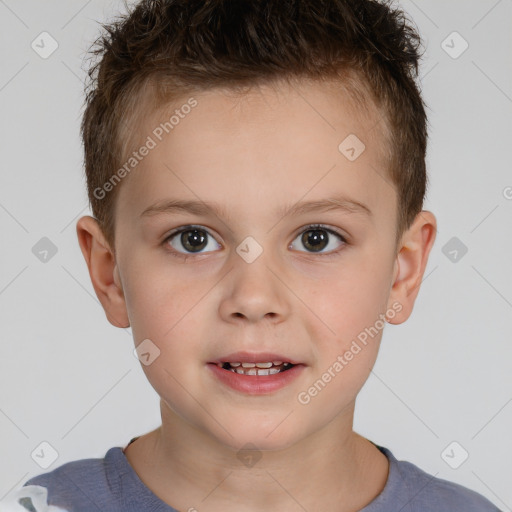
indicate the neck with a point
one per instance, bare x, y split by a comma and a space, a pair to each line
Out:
333, 467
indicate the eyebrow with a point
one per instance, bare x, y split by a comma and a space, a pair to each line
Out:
203, 208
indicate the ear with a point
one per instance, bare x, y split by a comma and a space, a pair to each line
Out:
103, 270
410, 264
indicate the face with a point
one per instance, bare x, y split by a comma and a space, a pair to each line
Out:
253, 273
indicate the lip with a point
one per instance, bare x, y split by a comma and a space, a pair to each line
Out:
254, 357
255, 384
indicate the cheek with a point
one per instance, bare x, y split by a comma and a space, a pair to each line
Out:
349, 300
348, 309
347, 349
165, 309
161, 304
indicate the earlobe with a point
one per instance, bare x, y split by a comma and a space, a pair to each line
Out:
103, 270
410, 264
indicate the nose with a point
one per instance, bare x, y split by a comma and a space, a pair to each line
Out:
253, 292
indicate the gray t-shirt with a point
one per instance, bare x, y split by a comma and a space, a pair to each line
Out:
111, 485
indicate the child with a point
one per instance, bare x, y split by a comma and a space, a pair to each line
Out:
256, 171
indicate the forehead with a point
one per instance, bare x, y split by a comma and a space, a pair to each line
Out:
264, 148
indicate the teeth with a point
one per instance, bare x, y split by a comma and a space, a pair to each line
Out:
259, 365
256, 371
264, 368
264, 365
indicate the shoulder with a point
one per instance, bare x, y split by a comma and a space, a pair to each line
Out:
84, 484
418, 491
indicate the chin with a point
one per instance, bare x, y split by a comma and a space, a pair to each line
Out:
251, 435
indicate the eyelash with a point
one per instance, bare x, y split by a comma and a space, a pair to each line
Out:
310, 227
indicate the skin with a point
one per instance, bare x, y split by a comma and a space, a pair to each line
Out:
254, 154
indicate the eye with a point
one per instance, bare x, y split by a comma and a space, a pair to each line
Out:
193, 239
316, 238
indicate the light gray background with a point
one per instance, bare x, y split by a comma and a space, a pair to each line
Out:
69, 378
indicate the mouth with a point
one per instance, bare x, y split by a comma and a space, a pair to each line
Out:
256, 373
261, 368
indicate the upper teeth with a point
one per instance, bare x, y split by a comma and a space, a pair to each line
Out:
264, 368
257, 365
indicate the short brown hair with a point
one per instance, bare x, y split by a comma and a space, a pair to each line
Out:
180, 46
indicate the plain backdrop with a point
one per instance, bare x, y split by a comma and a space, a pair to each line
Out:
442, 385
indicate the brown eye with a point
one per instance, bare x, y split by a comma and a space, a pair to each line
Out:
192, 240
317, 238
